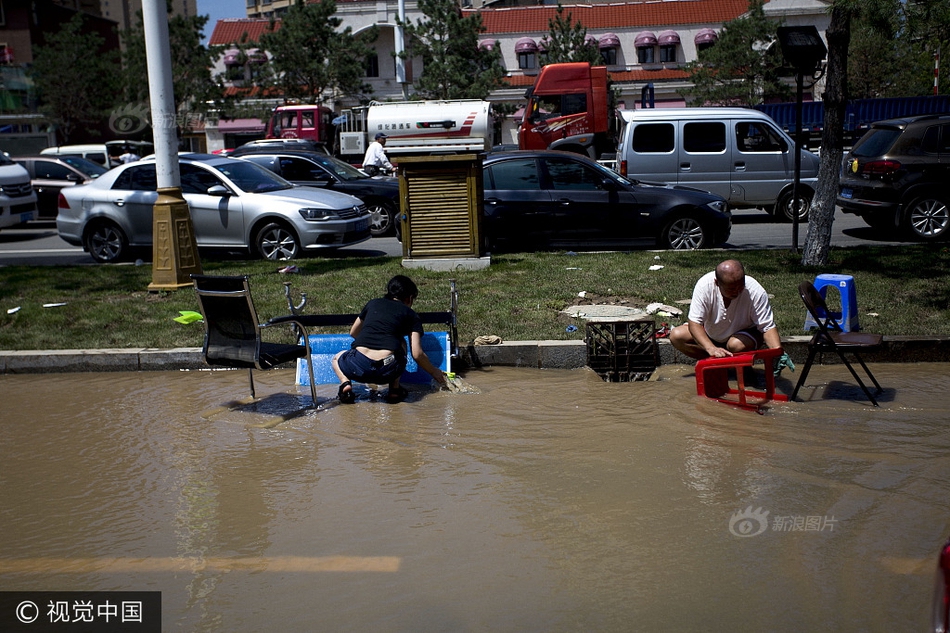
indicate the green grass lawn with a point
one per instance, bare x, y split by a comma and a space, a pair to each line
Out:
901, 290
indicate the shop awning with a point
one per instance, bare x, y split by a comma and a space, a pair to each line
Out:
526, 45
487, 44
706, 36
645, 39
668, 38
232, 57
609, 40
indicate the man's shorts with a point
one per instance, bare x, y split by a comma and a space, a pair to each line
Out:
752, 334
357, 366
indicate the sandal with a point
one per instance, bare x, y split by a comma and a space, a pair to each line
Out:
347, 397
396, 395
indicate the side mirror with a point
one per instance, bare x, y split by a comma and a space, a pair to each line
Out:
218, 190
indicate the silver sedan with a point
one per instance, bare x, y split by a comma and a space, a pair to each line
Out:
234, 205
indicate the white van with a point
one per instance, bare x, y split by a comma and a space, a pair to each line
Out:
106, 154
740, 154
17, 198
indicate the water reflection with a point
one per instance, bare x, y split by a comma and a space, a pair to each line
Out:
551, 501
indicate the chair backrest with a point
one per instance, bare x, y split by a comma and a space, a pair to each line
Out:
816, 306
232, 331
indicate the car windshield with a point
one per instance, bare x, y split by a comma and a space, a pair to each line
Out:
91, 169
343, 171
876, 142
250, 177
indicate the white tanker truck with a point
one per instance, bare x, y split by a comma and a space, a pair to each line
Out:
417, 127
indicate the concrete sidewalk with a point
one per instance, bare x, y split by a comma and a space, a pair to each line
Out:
535, 354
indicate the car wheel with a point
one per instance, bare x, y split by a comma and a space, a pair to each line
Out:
683, 234
784, 208
106, 242
381, 218
928, 218
277, 242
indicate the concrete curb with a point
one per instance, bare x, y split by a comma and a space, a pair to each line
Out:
536, 354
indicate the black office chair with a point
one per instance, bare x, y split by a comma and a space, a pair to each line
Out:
233, 333
830, 338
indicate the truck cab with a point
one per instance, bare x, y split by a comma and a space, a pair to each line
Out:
311, 122
569, 108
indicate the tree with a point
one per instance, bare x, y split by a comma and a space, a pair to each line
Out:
309, 56
743, 67
822, 212
75, 77
567, 42
194, 88
454, 66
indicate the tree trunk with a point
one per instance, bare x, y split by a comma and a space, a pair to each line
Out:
822, 212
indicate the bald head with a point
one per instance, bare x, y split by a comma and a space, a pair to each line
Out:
730, 278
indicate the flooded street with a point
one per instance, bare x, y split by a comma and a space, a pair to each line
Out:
550, 501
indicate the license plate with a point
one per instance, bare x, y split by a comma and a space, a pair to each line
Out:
362, 225
26, 217
846, 193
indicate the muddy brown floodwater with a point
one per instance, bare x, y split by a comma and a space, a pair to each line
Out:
550, 501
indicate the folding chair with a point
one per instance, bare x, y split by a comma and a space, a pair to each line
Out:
233, 333
830, 338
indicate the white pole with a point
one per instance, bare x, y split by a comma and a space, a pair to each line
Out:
400, 46
160, 92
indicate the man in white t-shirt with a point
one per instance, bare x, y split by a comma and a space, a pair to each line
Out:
729, 314
375, 160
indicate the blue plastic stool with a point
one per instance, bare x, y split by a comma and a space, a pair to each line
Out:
848, 317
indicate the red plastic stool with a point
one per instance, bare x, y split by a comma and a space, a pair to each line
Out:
712, 379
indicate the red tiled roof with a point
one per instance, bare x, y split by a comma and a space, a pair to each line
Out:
519, 81
232, 30
629, 15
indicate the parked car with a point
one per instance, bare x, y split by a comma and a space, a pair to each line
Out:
17, 198
380, 193
737, 153
295, 144
108, 154
49, 174
896, 177
543, 198
234, 204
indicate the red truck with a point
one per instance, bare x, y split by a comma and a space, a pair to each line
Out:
570, 108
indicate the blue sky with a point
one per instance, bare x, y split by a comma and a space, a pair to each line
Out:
218, 10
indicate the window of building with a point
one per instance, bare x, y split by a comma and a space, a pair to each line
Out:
646, 54
372, 65
609, 55
668, 53
527, 61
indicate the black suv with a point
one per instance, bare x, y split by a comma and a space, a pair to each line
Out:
313, 169
897, 176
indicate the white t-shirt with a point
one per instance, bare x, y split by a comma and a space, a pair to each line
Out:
375, 155
750, 308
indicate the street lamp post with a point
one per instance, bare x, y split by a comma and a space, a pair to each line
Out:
803, 50
174, 248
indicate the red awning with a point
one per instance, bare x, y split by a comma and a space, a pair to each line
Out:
526, 45
645, 39
668, 38
609, 40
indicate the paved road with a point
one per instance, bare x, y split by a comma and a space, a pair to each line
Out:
39, 244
